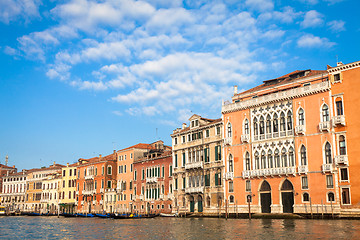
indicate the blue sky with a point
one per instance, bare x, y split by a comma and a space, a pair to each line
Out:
80, 78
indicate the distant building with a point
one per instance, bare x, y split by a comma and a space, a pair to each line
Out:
4, 170
67, 188
153, 181
13, 191
288, 143
198, 176
50, 193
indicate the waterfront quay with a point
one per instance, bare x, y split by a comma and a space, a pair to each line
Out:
26, 227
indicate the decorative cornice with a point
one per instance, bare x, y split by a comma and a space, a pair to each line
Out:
277, 97
344, 67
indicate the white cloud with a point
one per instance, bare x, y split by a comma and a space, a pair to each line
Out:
12, 10
310, 2
312, 19
311, 41
336, 25
117, 113
11, 51
260, 5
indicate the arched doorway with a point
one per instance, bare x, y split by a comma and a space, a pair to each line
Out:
287, 196
200, 204
192, 203
265, 197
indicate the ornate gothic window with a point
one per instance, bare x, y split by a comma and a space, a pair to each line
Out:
289, 120
291, 157
342, 145
231, 163
301, 117
262, 131
328, 158
246, 126
282, 122
247, 161
268, 124
325, 113
303, 160
277, 158
284, 158
275, 123
256, 132
229, 130
270, 159
257, 160
263, 160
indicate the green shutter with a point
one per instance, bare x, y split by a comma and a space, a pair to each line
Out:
216, 153
183, 159
219, 152
205, 153
216, 179
176, 160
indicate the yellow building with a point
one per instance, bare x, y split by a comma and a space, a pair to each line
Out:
67, 188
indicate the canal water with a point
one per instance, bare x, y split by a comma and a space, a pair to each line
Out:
27, 227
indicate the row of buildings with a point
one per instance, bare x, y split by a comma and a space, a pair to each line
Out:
289, 145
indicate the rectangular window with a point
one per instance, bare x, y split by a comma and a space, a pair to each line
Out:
344, 176
345, 196
207, 155
329, 181
231, 186
143, 174
217, 179
304, 182
218, 130
124, 168
135, 172
170, 170
183, 159
131, 167
64, 173
176, 163
163, 171
207, 133
184, 183
175, 141
176, 184
183, 139
248, 186
337, 77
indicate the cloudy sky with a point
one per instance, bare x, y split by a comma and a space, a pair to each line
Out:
83, 77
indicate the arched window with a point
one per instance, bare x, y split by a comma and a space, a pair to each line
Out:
256, 132
284, 158
268, 124
289, 120
306, 197
263, 160
328, 158
231, 199
325, 113
246, 126
342, 145
257, 160
229, 130
291, 157
265, 187
277, 158
231, 163
247, 161
282, 122
208, 201
303, 156
339, 107
262, 130
275, 123
270, 159
301, 116
331, 197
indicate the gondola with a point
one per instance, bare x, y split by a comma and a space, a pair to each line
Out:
134, 216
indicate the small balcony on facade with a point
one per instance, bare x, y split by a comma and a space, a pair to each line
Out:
89, 177
77, 192
101, 202
341, 159
89, 192
338, 120
324, 126
269, 172
327, 167
229, 175
195, 190
170, 196
245, 138
194, 165
82, 202
228, 141
300, 129
94, 202
141, 197
161, 196
151, 179
101, 190
303, 169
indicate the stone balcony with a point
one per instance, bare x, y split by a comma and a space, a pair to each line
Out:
195, 190
194, 165
341, 159
339, 120
327, 167
89, 177
82, 202
303, 169
89, 192
269, 172
161, 196
245, 138
324, 126
101, 202
151, 179
94, 202
101, 190
229, 175
300, 129
228, 141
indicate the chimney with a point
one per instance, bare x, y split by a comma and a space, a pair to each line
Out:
67, 164
235, 89
184, 126
339, 64
114, 151
54, 163
13, 166
100, 156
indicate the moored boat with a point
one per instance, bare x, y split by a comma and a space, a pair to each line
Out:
169, 214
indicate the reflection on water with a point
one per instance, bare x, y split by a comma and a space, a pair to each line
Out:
26, 227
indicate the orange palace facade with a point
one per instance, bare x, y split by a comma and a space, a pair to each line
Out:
291, 143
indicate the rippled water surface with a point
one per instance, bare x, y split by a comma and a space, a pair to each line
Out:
26, 227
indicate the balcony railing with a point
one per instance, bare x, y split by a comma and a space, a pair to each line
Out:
94, 202
300, 129
324, 126
151, 179
303, 168
161, 196
341, 159
327, 167
194, 190
101, 190
228, 141
229, 175
89, 177
338, 120
101, 202
170, 196
269, 172
88, 192
82, 202
194, 165
245, 138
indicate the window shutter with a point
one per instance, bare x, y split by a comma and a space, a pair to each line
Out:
205, 154
183, 159
219, 152
216, 178
216, 153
